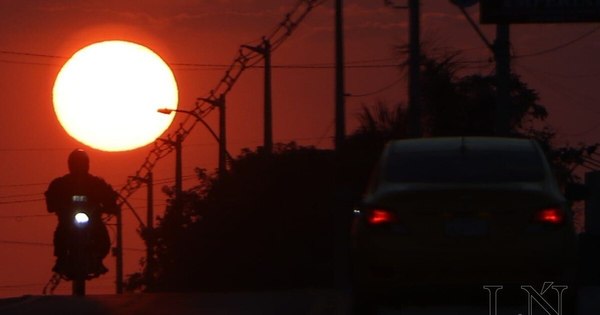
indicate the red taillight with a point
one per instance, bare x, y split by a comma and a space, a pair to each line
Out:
381, 216
554, 216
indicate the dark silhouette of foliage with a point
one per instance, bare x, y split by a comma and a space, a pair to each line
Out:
455, 105
270, 222
267, 224
465, 105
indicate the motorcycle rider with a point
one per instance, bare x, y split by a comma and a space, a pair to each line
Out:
101, 198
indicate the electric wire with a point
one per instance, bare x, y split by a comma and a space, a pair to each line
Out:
224, 86
20, 195
325, 133
26, 243
569, 94
29, 54
385, 88
204, 106
43, 244
21, 201
557, 88
27, 63
24, 185
17, 286
561, 46
19, 217
216, 66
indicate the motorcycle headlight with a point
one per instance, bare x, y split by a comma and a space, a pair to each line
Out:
81, 219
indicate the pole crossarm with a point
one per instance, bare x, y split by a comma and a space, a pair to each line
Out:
391, 4
245, 59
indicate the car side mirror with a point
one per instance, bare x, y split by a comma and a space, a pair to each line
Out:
576, 192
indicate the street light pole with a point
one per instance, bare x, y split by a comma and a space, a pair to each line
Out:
220, 103
222, 138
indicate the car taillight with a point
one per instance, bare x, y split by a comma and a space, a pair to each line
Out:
381, 216
553, 216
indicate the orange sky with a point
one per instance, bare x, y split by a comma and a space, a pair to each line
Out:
34, 147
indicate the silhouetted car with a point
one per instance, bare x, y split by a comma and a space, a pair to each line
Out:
461, 212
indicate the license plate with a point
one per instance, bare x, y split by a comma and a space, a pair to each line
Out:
467, 227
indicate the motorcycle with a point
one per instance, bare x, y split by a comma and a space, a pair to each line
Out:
84, 242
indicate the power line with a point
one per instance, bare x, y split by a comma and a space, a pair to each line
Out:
20, 195
565, 75
17, 286
293, 66
563, 45
20, 53
325, 133
25, 216
24, 185
162, 181
26, 243
42, 244
557, 88
20, 201
215, 66
27, 63
398, 80
34, 149
245, 58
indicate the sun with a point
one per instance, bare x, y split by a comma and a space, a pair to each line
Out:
106, 95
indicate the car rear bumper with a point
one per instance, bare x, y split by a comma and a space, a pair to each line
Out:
432, 267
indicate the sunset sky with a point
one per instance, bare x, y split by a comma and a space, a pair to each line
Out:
200, 38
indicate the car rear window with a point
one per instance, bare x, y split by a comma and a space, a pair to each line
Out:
465, 167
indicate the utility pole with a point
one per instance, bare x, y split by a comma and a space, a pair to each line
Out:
414, 63
178, 186
265, 50
503, 100
339, 220
340, 97
222, 138
149, 237
178, 175
268, 106
414, 109
150, 228
501, 50
118, 253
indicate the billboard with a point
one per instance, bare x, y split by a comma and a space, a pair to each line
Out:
539, 11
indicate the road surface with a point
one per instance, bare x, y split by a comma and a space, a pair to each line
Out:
289, 302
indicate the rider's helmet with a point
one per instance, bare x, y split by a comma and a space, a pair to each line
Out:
79, 162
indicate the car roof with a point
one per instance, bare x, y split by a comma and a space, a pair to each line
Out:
466, 143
